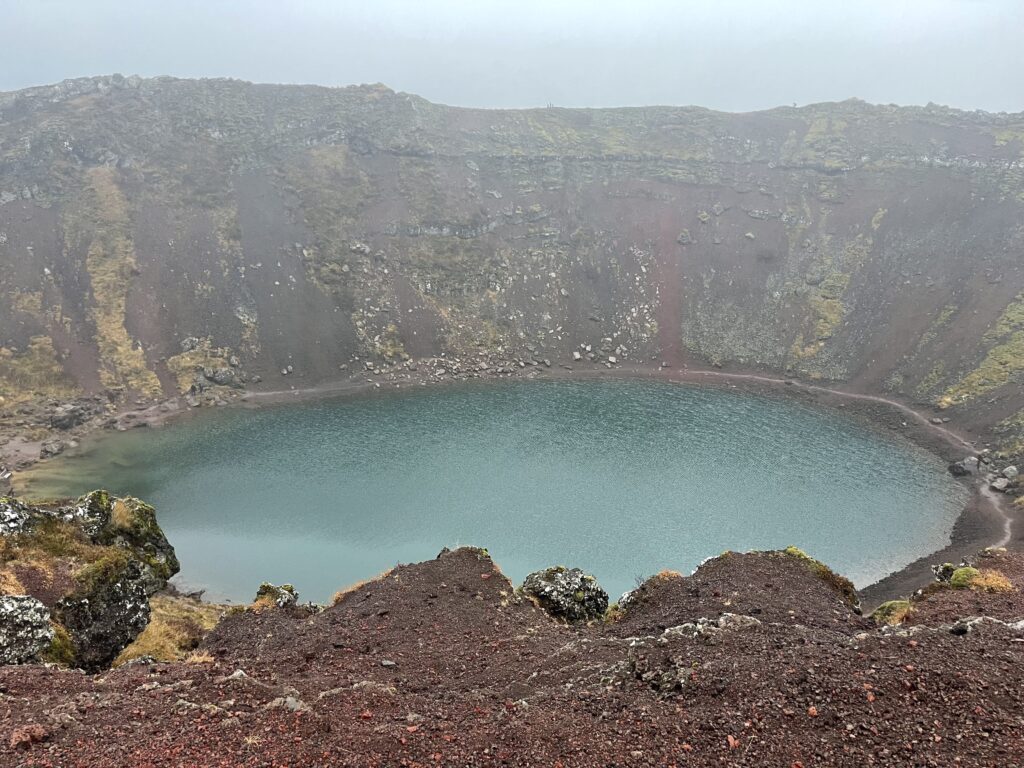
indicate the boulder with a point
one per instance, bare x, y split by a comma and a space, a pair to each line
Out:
1000, 484
68, 416
967, 466
132, 526
944, 571
190, 343
279, 596
223, 377
25, 629
14, 516
1010, 472
108, 611
568, 594
51, 448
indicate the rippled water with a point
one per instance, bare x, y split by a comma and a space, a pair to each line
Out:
622, 478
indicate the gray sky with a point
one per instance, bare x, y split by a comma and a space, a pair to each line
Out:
725, 54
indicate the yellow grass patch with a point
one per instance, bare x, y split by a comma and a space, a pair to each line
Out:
991, 581
345, 591
176, 626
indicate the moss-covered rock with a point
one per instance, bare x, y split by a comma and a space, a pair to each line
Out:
25, 629
133, 526
92, 564
962, 577
891, 612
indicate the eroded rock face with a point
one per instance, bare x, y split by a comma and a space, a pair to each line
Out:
567, 593
25, 629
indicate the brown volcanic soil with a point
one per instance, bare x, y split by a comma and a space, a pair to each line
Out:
438, 664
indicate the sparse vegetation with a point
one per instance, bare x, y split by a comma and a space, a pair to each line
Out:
176, 626
962, 578
840, 584
342, 593
892, 612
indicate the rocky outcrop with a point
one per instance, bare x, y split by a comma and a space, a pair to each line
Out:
568, 594
755, 659
89, 567
106, 612
280, 596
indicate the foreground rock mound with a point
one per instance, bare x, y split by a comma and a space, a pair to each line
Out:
757, 659
567, 593
76, 579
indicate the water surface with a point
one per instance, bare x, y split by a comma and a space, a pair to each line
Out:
622, 478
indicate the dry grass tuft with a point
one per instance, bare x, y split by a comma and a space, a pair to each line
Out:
176, 626
892, 612
991, 581
341, 594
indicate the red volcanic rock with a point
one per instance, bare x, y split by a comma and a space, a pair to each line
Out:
757, 659
27, 735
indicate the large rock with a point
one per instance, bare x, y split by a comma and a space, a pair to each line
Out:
25, 629
964, 467
92, 565
567, 593
107, 612
68, 416
14, 515
280, 596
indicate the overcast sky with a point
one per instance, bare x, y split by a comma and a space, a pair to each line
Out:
724, 54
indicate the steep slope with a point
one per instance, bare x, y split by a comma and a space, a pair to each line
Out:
150, 228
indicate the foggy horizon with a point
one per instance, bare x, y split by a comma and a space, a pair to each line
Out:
732, 56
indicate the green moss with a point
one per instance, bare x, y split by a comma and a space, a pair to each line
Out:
840, 584
34, 371
1004, 361
61, 649
891, 612
107, 569
185, 365
999, 367
962, 578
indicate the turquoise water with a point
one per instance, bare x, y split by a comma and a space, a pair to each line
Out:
622, 478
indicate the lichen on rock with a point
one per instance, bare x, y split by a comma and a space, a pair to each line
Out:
25, 630
568, 594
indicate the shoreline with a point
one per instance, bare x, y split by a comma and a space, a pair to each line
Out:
985, 521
